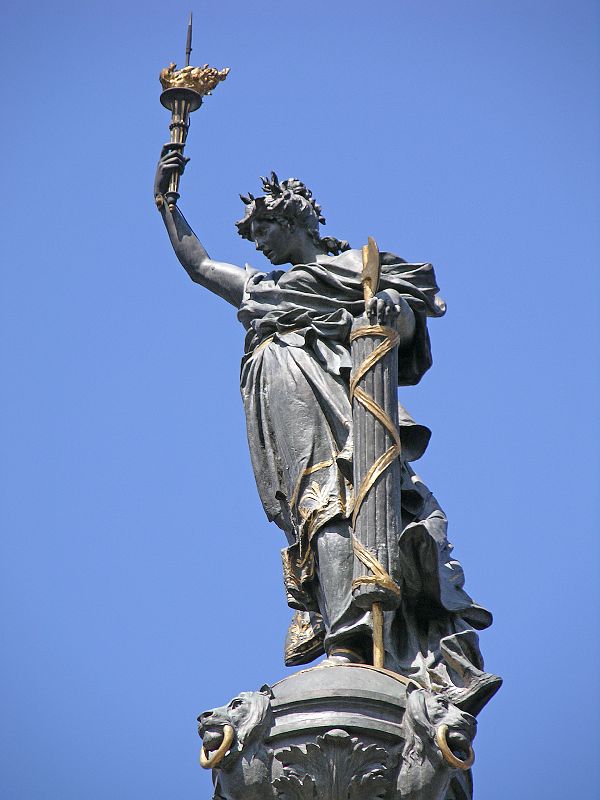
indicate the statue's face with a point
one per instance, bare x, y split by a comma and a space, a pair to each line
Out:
277, 241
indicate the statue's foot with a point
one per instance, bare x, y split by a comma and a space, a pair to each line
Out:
473, 698
304, 640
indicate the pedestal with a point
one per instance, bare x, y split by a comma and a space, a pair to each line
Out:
339, 732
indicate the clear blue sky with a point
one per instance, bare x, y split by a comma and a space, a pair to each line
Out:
140, 580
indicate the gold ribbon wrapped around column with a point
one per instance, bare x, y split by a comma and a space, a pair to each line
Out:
376, 519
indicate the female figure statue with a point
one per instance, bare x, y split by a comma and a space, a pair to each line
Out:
295, 388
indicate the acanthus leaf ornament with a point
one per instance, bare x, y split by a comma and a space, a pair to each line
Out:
335, 767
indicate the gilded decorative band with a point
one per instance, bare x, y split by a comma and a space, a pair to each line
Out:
391, 339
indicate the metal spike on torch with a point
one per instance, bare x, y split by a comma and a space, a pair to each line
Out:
184, 90
188, 42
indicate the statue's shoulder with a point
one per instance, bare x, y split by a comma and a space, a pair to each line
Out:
352, 259
390, 259
348, 261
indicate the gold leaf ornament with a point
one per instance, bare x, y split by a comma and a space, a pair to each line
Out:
314, 499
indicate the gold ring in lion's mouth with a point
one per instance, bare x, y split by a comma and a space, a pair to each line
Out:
442, 742
208, 761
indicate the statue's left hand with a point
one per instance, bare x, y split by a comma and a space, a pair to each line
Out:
384, 307
390, 308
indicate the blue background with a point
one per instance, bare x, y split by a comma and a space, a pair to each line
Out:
140, 579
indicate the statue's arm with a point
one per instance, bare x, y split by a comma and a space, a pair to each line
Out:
225, 280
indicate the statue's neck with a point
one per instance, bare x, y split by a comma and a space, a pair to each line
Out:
307, 252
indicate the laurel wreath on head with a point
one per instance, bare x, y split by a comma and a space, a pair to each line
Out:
277, 195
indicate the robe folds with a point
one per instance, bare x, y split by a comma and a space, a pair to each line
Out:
295, 388
295, 378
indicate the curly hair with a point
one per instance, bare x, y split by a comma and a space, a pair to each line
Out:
291, 202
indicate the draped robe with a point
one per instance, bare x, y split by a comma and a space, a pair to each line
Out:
295, 388
294, 380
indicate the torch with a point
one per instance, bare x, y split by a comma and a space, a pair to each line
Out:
183, 91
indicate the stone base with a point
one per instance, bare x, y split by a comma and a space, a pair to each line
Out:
359, 699
342, 732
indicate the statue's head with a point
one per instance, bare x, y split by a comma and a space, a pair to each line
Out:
282, 220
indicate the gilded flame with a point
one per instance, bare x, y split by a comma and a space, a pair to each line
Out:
201, 79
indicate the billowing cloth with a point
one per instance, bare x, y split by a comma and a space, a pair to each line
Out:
294, 381
318, 302
295, 387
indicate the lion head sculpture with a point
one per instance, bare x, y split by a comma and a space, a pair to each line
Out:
243, 719
230, 732
437, 742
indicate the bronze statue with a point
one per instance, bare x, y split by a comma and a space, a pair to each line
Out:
368, 569
295, 384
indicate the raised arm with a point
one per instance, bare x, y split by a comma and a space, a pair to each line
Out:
225, 280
